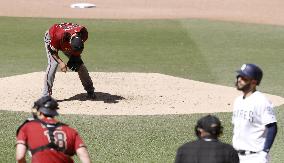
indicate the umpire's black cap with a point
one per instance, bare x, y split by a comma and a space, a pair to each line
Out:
47, 105
210, 124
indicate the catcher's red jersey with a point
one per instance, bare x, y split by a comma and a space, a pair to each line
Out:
60, 37
34, 134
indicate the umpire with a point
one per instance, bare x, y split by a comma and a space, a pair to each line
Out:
207, 148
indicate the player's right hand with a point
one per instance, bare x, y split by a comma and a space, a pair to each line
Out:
63, 67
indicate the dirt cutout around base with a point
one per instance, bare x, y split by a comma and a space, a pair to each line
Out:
122, 94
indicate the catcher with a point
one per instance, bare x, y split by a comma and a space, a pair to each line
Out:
47, 139
68, 38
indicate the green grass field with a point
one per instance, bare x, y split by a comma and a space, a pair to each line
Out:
201, 50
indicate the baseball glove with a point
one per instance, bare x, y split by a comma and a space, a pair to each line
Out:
74, 63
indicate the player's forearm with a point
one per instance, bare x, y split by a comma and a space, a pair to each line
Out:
21, 153
54, 53
83, 155
271, 134
57, 58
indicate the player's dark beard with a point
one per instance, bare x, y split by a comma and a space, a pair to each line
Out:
245, 88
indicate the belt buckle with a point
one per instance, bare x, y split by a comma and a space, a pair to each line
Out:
247, 152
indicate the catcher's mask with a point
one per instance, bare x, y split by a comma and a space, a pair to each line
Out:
77, 43
250, 71
47, 105
210, 124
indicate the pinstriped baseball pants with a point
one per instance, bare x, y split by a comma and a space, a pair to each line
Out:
52, 68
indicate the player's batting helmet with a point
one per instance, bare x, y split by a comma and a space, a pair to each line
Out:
47, 105
210, 124
251, 71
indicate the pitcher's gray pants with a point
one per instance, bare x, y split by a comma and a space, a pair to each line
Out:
52, 67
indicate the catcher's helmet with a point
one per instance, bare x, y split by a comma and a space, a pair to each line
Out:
251, 71
210, 124
47, 105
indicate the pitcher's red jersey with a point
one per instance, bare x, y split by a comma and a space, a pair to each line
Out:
60, 37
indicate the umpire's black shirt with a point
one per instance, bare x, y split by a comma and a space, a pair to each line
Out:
206, 151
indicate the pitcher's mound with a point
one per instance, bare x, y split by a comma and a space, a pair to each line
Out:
122, 94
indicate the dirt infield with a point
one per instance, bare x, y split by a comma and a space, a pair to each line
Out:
134, 93
122, 94
256, 11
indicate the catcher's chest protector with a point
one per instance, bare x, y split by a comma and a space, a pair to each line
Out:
51, 128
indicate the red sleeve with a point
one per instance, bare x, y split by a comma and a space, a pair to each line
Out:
61, 33
22, 137
56, 37
78, 142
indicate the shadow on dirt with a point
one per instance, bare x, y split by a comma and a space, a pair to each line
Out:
100, 96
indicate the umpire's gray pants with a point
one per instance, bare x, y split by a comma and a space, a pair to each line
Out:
52, 67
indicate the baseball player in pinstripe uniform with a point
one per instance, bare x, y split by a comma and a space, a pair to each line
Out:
68, 38
254, 120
